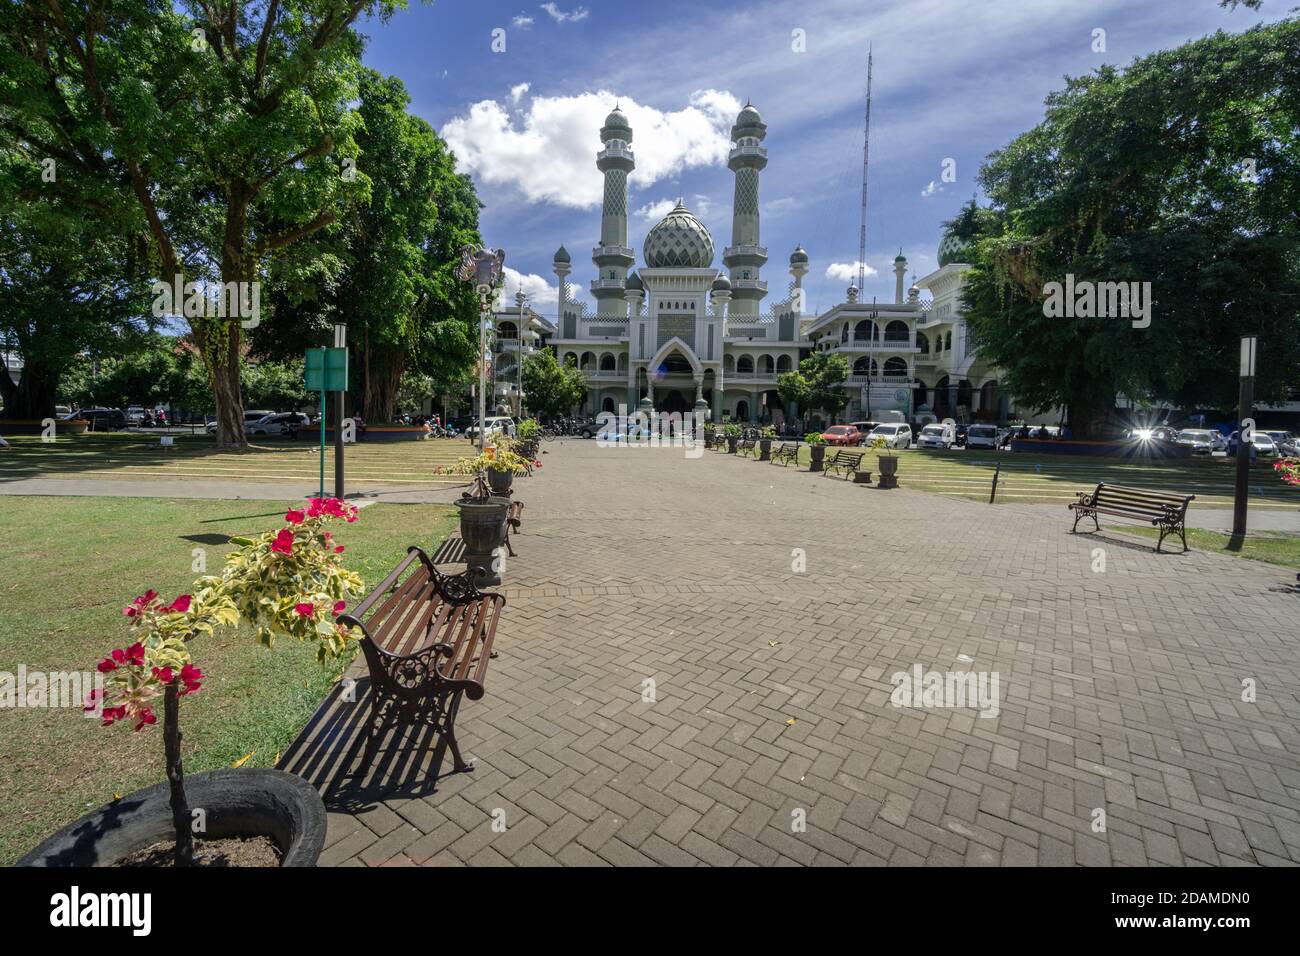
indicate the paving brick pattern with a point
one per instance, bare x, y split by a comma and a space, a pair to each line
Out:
771, 738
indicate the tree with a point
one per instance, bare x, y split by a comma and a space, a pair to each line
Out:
223, 124
816, 384
1181, 171
277, 386
387, 270
551, 389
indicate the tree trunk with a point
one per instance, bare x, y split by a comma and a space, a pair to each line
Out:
33, 396
383, 378
1091, 413
176, 776
220, 338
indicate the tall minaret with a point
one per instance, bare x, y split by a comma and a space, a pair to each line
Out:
745, 257
560, 266
798, 269
900, 276
613, 257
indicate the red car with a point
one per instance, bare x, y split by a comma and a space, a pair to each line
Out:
842, 435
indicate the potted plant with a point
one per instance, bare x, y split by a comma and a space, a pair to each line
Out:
528, 432
733, 432
765, 436
287, 583
888, 462
483, 511
499, 463
816, 450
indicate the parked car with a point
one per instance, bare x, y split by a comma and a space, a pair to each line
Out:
280, 423
937, 435
250, 416
865, 427
982, 436
135, 414
1287, 443
103, 419
845, 435
896, 436
1200, 440
492, 425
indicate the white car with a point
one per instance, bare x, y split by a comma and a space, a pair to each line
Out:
492, 425
895, 436
1200, 440
936, 435
1265, 447
982, 436
277, 424
1287, 443
249, 418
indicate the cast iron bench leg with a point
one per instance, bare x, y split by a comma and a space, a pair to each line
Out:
449, 728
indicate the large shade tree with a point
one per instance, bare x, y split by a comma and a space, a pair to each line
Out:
225, 126
1181, 170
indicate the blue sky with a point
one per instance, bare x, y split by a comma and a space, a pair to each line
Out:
954, 80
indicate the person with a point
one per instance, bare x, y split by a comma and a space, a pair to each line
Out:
162, 418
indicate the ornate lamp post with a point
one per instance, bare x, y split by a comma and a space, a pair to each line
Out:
482, 267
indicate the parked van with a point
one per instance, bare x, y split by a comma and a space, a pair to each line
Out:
937, 435
982, 436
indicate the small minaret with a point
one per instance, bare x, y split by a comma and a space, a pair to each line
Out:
721, 295
798, 269
613, 257
745, 256
560, 266
900, 276
853, 293
633, 294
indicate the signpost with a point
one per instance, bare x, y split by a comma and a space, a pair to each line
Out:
1245, 439
325, 370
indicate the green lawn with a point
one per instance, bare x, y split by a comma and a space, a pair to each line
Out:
1050, 479
71, 564
1271, 547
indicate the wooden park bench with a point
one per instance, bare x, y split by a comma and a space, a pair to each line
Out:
427, 641
1162, 509
746, 445
514, 516
849, 464
786, 453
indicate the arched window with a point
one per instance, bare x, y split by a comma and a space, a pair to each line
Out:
923, 343
622, 361
571, 359
745, 364
742, 411
728, 364
588, 362
607, 405
947, 342
896, 367
844, 333
896, 332
864, 366
607, 362
766, 365
864, 331
783, 363
507, 330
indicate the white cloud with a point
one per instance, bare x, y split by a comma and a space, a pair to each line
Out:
543, 295
931, 189
522, 22
847, 271
549, 152
563, 16
517, 92
653, 212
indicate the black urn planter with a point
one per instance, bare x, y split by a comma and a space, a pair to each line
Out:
732, 441
818, 453
236, 803
501, 481
483, 529
765, 449
888, 471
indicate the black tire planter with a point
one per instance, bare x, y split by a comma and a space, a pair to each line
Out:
483, 529
817, 455
502, 482
765, 449
732, 441
237, 803
888, 471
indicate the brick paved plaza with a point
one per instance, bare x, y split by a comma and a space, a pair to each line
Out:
1119, 690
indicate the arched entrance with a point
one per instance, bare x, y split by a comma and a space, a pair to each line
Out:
742, 411
672, 401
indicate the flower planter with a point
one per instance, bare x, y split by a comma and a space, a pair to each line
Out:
732, 441
236, 803
765, 449
888, 471
501, 481
818, 455
483, 529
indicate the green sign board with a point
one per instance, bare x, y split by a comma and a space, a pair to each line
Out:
326, 370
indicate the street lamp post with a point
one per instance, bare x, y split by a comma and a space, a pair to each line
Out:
340, 341
483, 268
1245, 437
520, 300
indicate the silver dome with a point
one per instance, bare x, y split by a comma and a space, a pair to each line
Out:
678, 241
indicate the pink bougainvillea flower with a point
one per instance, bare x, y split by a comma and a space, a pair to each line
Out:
315, 507
295, 516
113, 713
146, 717
190, 677
339, 549
283, 543
107, 664
537, 463
130, 610
305, 609
164, 674
135, 655
179, 606
140, 603
340, 606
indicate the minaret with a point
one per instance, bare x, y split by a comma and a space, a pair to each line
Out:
798, 269
745, 257
613, 257
561, 268
900, 277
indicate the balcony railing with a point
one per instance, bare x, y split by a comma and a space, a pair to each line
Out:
898, 341
746, 249
880, 378
612, 252
599, 284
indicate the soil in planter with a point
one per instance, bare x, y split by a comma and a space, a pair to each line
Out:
253, 851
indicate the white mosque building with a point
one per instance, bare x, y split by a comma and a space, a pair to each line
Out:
691, 336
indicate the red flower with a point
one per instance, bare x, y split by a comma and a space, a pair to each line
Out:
339, 549
140, 603
179, 606
108, 664
283, 542
164, 674
135, 655
537, 463
295, 516
113, 713
190, 677
340, 606
306, 610
146, 717
315, 507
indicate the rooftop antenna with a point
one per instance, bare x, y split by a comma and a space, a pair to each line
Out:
866, 141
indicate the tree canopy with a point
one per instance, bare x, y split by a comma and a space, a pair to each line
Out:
551, 388
816, 384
